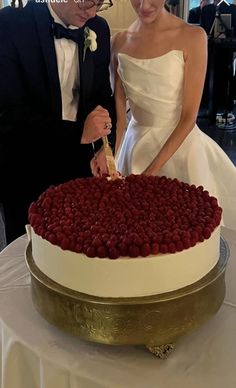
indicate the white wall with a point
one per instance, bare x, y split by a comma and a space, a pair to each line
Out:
120, 15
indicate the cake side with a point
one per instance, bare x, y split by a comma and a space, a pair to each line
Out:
126, 277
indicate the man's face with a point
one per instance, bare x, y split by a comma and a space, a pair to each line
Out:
75, 12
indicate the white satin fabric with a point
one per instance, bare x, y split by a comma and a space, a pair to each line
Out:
154, 89
34, 354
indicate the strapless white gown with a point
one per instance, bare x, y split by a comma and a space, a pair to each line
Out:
154, 89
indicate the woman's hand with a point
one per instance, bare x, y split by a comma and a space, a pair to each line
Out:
153, 168
150, 171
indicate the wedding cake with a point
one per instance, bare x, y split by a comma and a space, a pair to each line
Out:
131, 237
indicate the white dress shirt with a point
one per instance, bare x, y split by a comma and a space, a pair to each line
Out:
68, 69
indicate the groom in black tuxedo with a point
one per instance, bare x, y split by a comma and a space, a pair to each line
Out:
55, 99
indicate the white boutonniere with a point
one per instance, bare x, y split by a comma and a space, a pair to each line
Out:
90, 41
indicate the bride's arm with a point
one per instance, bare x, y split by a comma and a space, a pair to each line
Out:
120, 98
120, 101
194, 76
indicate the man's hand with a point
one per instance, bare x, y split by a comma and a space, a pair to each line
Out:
96, 125
98, 164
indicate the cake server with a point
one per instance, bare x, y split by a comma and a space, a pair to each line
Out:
111, 165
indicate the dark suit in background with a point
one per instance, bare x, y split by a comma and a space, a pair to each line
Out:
223, 58
194, 15
208, 17
32, 132
209, 12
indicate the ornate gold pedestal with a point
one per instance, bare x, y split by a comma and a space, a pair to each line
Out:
155, 321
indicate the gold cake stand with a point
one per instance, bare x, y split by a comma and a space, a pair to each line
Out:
155, 321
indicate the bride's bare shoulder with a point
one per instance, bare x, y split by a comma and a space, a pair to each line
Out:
185, 29
120, 38
193, 34
193, 40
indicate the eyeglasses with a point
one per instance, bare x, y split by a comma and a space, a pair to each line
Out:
101, 5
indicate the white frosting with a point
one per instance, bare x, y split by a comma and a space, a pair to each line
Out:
126, 277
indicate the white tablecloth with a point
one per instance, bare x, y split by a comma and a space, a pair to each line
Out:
34, 354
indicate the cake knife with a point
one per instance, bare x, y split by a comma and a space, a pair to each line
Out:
111, 165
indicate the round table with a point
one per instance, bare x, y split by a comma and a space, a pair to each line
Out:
34, 354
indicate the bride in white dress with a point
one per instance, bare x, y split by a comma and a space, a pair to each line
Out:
159, 66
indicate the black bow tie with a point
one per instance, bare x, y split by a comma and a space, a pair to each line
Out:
61, 32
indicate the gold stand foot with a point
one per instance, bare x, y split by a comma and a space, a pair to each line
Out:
161, 351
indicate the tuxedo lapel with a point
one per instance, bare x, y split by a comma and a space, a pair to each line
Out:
86, 72
44, 25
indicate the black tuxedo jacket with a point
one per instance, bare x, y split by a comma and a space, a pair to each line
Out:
32, 132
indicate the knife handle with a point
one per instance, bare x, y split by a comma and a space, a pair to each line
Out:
111, 165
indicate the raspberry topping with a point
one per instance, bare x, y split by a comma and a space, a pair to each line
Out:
136, 216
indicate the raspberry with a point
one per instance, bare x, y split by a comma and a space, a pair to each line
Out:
96, 242
214, 202
138, 241
127, 241
134, 251
72, 245
198, 228
159, 238
194, 235
67, 230
123, 249
33, 208
217, 220
65, 243
105, 237
35, 219
206, 233
172, 247
179, 246
110, 244
163, 248
113, 238
193, 242
47, 202
175, 237
52, 238
145, 249
201, 237
101, 251
113, 253
186, 243
155, 248
91, 252
167, 239
78, 248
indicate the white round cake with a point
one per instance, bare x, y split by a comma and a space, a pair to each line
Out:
126, 238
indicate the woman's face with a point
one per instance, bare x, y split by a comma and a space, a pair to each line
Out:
148, 10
